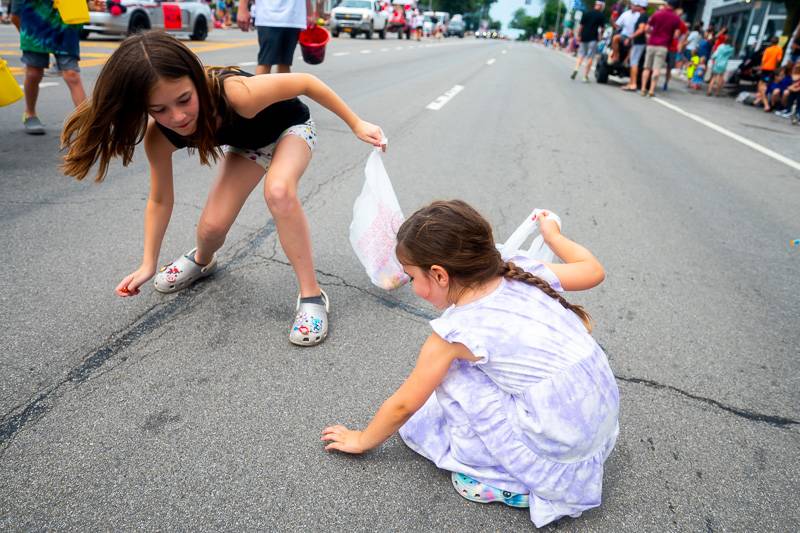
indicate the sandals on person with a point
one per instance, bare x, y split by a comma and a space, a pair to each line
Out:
182, 272
310, 326
475, 491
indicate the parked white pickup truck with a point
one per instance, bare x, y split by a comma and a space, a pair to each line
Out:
358, 16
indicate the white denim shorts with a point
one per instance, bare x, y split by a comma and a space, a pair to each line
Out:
263, 156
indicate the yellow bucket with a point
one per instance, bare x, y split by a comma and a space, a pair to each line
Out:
73, 11
9, 88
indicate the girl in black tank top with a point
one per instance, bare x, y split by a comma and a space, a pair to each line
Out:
153, 88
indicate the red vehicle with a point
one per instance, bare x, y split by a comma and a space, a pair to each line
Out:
398, 22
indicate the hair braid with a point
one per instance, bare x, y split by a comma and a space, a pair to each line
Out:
513, 272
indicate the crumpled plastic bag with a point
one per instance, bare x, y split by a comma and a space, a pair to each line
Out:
538, 249
373, 232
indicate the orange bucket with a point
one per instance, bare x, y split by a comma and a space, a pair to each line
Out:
312, 44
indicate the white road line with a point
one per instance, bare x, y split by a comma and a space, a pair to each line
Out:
384, 49
398, 47
437, 104
736, 137
366, 51
747, 142
248, 63
44, 84
491, 61
504, 51
342, 54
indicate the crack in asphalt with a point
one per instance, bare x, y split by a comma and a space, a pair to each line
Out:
148, 321
158, 316
390, 303
161, 314
777, 421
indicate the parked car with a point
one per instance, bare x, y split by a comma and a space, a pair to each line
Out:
127, 17
457, 26
358, 16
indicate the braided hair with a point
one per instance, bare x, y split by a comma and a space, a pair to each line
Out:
456, 237
511, 271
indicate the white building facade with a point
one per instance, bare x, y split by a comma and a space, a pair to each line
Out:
750, 22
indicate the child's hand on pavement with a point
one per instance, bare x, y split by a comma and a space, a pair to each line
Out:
548, 227
129, 286
342, 439
371, 134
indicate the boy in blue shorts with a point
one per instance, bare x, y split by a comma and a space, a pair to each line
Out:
42, 32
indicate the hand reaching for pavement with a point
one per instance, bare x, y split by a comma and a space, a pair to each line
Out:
342, 439
129, 286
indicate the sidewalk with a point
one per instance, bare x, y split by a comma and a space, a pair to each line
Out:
766, 129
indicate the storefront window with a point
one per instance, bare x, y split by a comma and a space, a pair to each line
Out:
777, 8
774, 28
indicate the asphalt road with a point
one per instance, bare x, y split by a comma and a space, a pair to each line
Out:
192, 411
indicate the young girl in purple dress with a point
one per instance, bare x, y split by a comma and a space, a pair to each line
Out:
510, 392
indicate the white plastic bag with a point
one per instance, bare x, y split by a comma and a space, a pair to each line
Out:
538, 249
373, 232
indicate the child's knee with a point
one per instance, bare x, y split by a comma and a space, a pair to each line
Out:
71, 77
280, 198
34, 73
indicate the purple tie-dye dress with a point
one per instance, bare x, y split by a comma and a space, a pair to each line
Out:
537, 413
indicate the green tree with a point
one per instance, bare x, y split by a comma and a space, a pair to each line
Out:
549, 15
522, 21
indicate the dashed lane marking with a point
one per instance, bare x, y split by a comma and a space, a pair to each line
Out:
446, 97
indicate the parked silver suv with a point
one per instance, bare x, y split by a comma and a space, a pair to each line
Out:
136, 15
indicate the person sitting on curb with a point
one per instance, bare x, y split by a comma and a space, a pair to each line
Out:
770, 60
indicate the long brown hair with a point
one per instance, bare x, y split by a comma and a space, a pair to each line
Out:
456, 237
114, 120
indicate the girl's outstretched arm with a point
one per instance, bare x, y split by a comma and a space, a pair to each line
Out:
158, 211
433, 363
581, 270
250, 95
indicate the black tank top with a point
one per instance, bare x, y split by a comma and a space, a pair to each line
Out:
253, 133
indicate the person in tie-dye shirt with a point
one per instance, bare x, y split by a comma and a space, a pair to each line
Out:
42, 32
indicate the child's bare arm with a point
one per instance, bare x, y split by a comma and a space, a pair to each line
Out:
434, 360
250, 95
581, 270
158, 210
